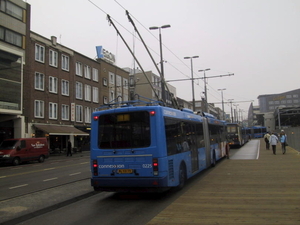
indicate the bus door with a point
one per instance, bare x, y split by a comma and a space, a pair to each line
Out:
193, 148
189, 143
207, 143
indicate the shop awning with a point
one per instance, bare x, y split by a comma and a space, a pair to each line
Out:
60, 130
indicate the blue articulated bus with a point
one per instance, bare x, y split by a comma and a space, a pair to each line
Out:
258, 131
152, 148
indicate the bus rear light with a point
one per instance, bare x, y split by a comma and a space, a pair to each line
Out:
95, 167
152, 113
96, 118
155, 166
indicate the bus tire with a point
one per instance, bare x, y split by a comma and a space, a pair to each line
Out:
213, 163
182, 176
16, 161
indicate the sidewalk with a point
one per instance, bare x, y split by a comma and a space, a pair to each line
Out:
261, 192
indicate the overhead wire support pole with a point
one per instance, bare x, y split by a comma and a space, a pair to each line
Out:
112, 23
160, 72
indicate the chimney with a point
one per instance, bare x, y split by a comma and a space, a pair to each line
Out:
54, 40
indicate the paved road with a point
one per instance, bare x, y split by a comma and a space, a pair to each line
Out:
249, 151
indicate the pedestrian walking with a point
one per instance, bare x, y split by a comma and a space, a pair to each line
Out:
69, 150
267, 139
283, 141
273, 142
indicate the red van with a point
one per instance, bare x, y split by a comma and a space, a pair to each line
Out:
20, 150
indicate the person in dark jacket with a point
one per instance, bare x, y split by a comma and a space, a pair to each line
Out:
69, 150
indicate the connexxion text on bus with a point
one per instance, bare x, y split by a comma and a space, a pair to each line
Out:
152, 148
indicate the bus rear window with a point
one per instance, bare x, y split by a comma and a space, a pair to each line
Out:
125, 130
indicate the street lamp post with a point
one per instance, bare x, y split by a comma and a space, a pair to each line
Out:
223, 113
193, 94
205, 89
236, 113
230, 100
163, 92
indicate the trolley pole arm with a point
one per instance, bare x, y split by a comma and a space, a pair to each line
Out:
149, 53
112, 23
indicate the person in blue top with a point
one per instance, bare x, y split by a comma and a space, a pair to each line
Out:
283, 141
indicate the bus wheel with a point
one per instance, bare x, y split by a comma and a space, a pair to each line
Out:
182, 176
41, 159
213, 163
16, 161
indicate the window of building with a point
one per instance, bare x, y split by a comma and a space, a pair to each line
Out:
52, 110
289, 96
65, 62
271, 107
105, 82
296, 101
65, 112
125, 83
88, 92
283, 101
295, 96
276, 102
39, 81
78, 90
39, 109
12, 37
65, 87
105, 100
79, 69
95, 74
95, 95
53, 58
111, 78
2, 33
79, 113
271, 102
112, 95
11, 9
289, 101
87, 71
53, 85
39, 53
87, 114
118, 81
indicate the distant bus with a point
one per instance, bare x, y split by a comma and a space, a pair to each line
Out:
258, 131
152, 148
237, 135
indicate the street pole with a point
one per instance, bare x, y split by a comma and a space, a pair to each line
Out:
223, 89
205, 89
163, 91
230, 100
192, 74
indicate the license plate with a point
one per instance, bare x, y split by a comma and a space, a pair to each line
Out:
125, 171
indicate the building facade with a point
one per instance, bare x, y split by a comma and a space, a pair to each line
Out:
14, 29
269, 103
61, 90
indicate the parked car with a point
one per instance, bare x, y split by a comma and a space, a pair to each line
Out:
20, 150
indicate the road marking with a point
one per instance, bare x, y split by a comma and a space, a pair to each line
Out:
49, 168
17, 168
23, 185
72, 174
54, 178
40, 170
2, 177
84, 163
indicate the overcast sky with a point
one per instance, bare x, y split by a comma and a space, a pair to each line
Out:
257, 40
